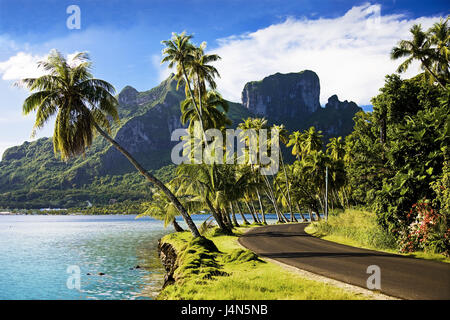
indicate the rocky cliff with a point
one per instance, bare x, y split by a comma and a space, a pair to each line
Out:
293, 99
281, 96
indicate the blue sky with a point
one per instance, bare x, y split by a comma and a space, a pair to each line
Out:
340, 40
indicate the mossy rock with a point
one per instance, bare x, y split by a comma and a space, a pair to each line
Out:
239, 255
204, 243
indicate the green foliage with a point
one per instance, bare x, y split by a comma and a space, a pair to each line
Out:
360, 226
395, 155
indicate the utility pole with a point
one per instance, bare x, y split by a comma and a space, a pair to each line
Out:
326, 194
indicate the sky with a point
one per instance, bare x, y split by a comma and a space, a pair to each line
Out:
346, 43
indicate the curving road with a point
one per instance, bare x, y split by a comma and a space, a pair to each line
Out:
401, 276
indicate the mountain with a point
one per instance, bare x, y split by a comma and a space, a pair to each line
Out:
31, 175
293, 99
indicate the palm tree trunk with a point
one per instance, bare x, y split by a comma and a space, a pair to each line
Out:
233, 215
193, 101
434, 76
176, 226
256, 213
281, 217
219, 219
261, 207
311, 217
226, 214
241, 213
187, 218
251, 212
300, 212
293, 219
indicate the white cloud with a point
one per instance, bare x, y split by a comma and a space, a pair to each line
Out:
163, 71
25, 65
22, 65
350, 53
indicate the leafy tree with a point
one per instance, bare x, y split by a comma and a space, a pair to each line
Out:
420, 48
82, 105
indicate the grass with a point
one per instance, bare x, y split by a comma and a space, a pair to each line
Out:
217, 268
358, 228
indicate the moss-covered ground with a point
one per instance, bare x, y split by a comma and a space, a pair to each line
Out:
218, 268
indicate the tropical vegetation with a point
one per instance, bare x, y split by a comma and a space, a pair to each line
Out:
395, 163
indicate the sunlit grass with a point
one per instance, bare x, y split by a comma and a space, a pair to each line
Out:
244, 276
358, 228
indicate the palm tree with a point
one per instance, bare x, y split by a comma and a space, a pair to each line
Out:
162, 209
201, 72
214, 109
180, 51
284, 138
312, 141
192, 64
205, 182
296, 141
418, 48
82, 105
336, 148
439, 36
257, 124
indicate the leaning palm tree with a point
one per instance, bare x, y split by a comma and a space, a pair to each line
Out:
82, 105
418, 48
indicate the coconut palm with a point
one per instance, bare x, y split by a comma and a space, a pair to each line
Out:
336, 148
205, 182
162, 209
295, 141
82, 105
258, 124
201, 72
312, 141
284, 138
179, 52
214, 109
439, 36
418, 48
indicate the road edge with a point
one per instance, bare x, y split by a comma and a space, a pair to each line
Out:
373, 295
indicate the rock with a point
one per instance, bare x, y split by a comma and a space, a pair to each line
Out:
168, 257
282, 96
128, 96
333, 102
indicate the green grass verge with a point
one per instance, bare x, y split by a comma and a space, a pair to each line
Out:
222, 270
358, 228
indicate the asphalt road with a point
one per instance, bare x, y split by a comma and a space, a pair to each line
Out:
401, 276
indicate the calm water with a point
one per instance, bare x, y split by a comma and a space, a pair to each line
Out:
36, 251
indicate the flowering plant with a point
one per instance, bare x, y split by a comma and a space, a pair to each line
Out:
425, 229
